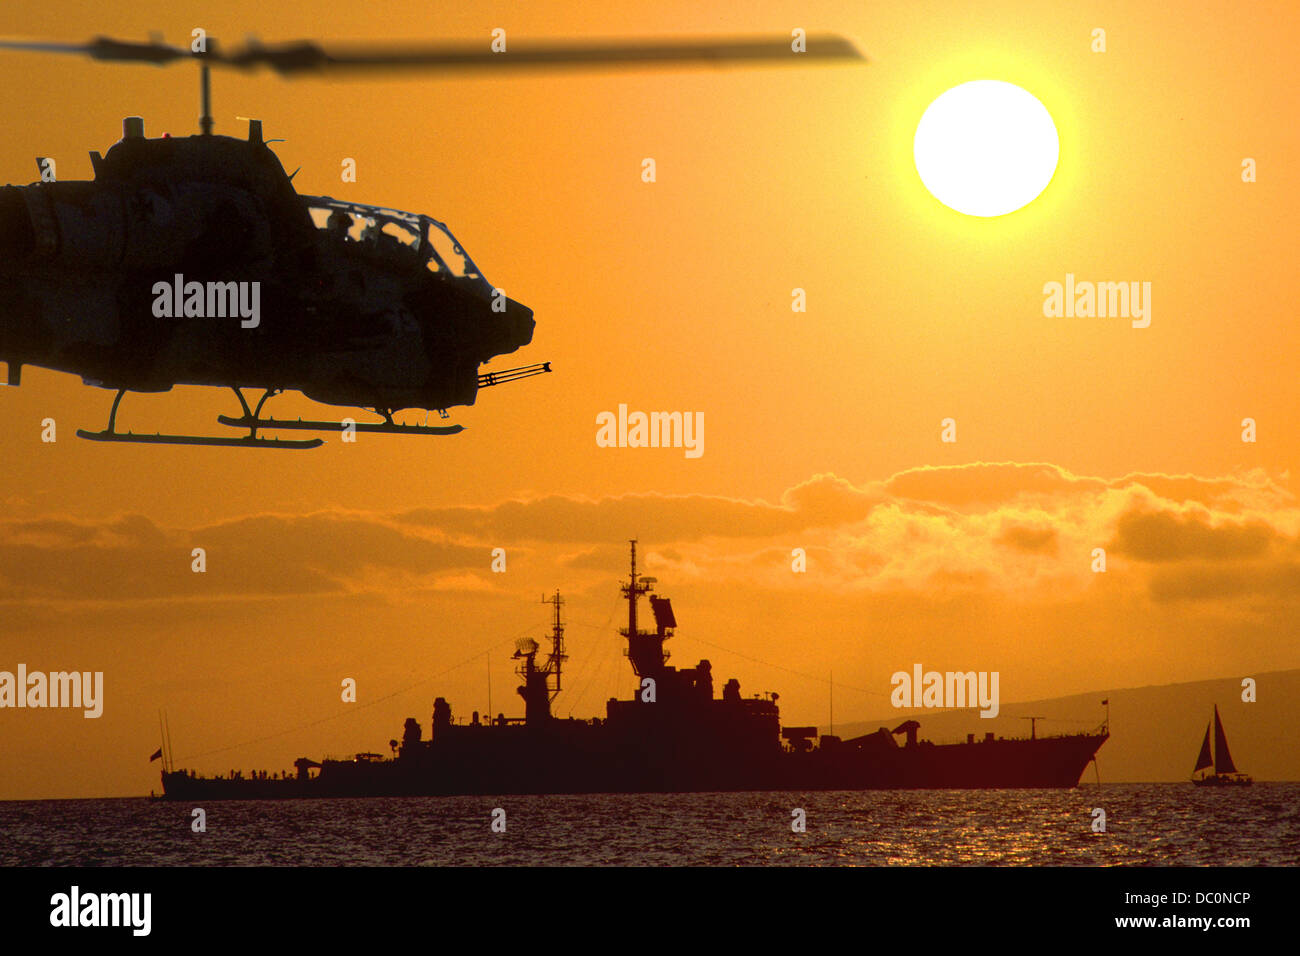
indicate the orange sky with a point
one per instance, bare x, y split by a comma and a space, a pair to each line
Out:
822, 429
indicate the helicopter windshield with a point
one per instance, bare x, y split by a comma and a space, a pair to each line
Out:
396, 233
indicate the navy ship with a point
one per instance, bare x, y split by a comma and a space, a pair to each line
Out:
672, 735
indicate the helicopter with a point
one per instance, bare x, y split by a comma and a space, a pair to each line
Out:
192, 260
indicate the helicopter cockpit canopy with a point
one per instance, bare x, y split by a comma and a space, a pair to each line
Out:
396, 233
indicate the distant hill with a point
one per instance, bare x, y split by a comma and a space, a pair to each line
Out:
1155, 731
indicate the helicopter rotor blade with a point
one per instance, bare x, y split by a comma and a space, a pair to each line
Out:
294, 58
103, 48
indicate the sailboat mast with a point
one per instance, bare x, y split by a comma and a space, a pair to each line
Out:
1204, 758
1222, 757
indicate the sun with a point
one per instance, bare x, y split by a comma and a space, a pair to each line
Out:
986, 148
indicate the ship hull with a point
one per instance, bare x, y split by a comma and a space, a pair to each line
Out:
1223, 780
527, 763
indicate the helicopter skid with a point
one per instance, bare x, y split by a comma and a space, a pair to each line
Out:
111, 434
383, 428
158, 439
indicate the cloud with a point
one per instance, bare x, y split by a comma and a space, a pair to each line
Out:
129, 558
1030, 540
1175, 535
822, 501
986, 483
1022, 529
1205, 583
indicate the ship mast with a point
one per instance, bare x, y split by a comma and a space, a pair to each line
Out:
537, 691
557, 657
645, 649
633, 590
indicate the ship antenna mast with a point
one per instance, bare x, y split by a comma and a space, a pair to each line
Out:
162, 739
632, 591
167, 737
205, 100
558, 657
1033, 726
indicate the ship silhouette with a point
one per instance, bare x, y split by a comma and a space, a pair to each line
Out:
673, 735
1225, 772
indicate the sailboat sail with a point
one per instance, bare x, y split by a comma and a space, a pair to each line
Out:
1222, 758
1204, 759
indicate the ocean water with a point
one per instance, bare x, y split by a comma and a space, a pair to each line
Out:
1148, 824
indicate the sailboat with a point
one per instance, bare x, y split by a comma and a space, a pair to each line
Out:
1225, 771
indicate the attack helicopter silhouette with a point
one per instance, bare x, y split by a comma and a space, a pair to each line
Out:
193, 260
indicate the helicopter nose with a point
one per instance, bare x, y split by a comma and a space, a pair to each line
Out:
498, 330
519, 324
